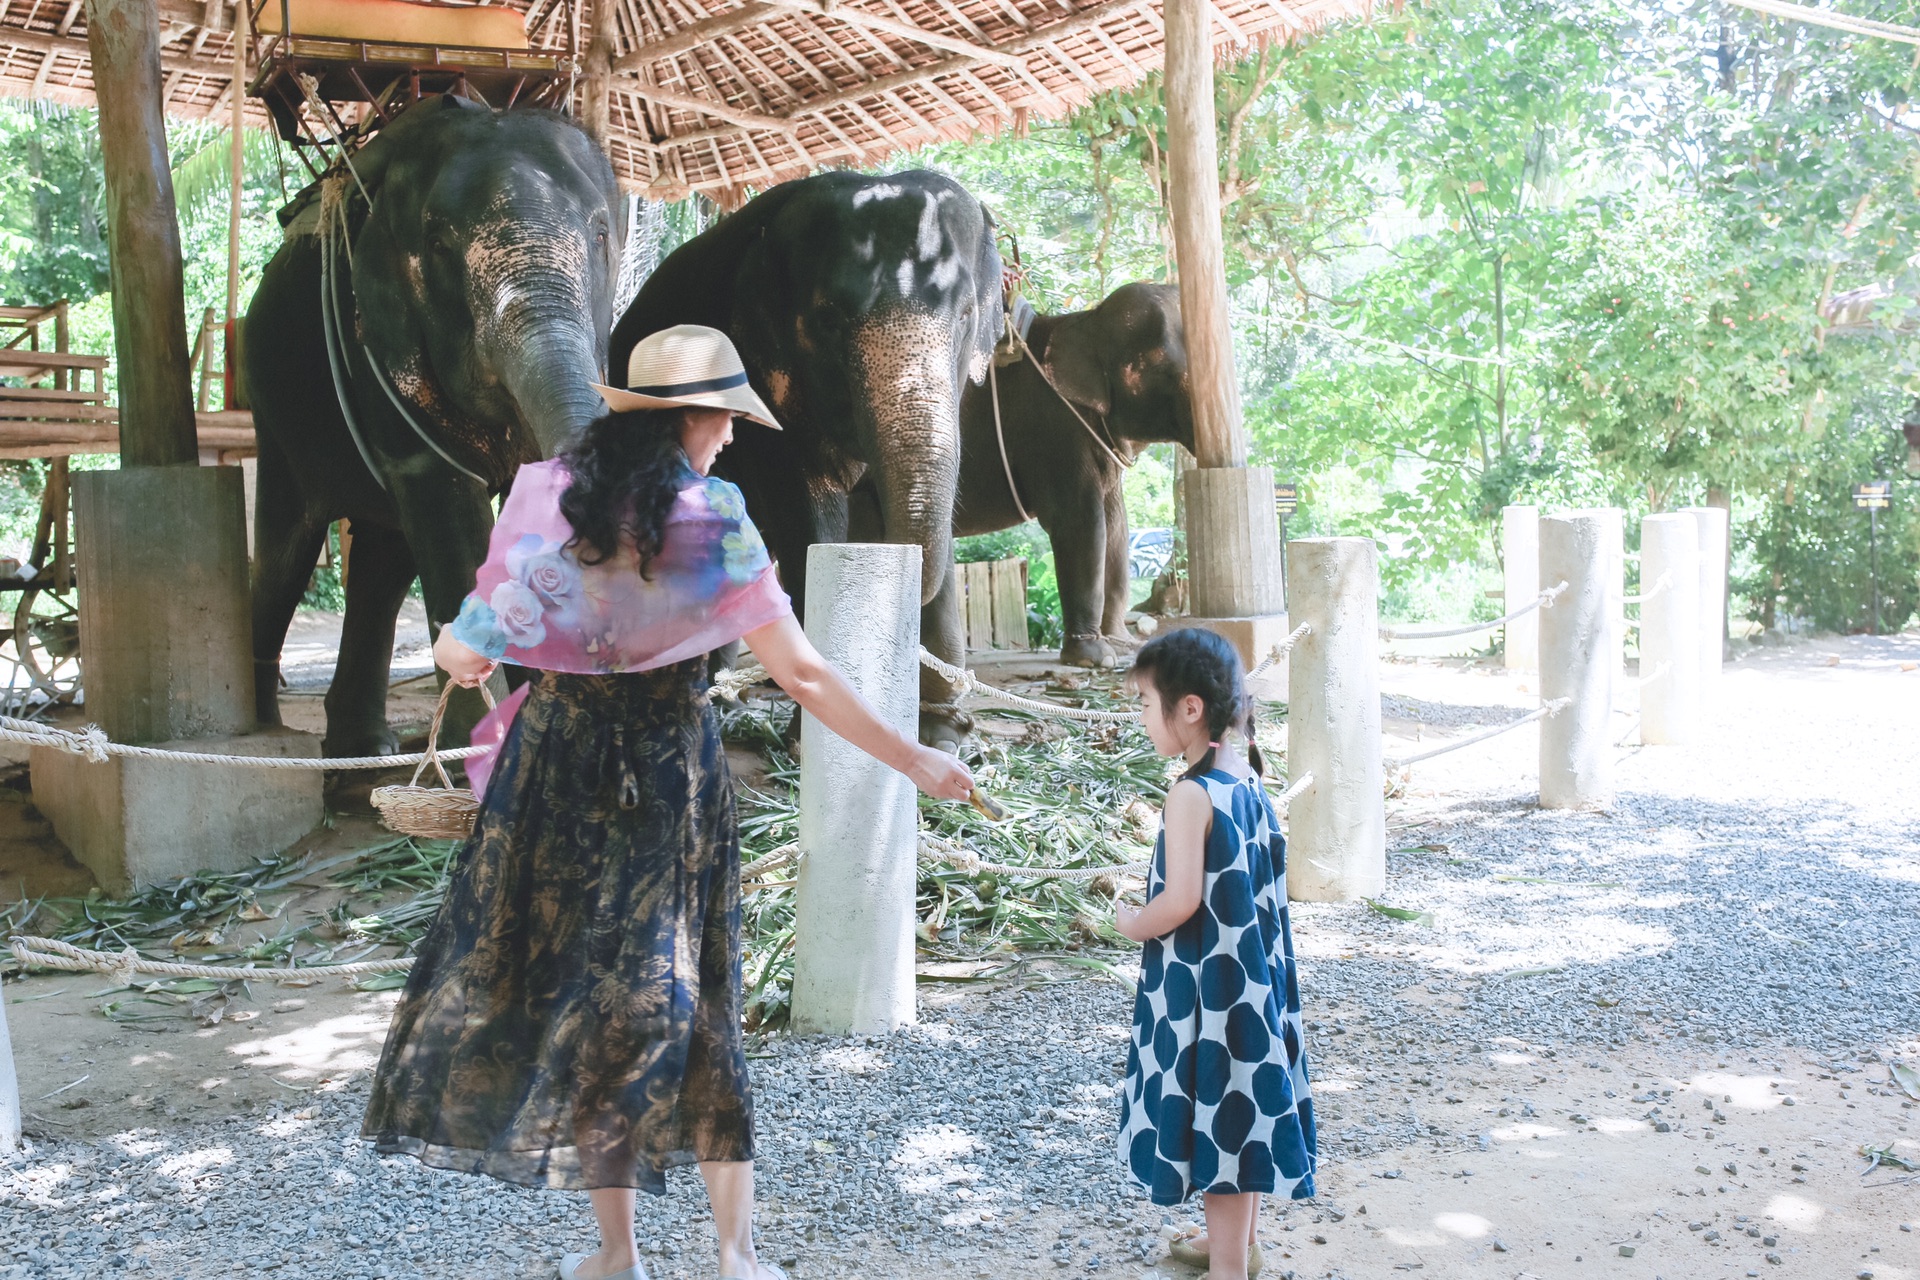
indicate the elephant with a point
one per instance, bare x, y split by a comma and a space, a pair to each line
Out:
1123, 367
435, 317
862, 306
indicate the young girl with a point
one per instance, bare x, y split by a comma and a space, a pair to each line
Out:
1216, 1092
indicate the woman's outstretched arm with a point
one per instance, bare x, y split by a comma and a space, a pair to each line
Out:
797, 667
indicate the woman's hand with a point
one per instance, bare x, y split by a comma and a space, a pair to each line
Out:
463, 666
939, 774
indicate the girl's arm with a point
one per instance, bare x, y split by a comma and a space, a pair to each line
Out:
797, 667
1189, 816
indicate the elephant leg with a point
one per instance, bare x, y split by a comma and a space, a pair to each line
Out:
1119, 570
1079, 560
446, 521
942, 723
379, 571
287, 540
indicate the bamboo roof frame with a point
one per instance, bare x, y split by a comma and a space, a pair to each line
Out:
716, 96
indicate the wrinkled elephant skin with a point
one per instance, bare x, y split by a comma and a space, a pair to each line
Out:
481, 283
862, 307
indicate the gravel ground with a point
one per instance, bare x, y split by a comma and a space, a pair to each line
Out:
1752, 895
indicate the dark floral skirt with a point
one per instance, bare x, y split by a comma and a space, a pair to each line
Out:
573, 1019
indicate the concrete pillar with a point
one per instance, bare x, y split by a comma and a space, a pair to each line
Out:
859, 824
1520, 550
1337, 828
1713, 530
9, 1085
1579, 654
166, 647
165, 636
1669, 629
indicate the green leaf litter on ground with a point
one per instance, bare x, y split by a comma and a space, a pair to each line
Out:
1408, 914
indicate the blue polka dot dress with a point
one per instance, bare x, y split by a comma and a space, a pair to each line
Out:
1216, 1098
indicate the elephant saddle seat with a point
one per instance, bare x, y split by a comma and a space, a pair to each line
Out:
401, 21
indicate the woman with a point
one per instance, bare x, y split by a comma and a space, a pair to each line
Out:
573, 1019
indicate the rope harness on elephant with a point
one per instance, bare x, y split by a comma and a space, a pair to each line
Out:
335, 233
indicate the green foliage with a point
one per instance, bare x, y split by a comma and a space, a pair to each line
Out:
1486, 251
1810, 544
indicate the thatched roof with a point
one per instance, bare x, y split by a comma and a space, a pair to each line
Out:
713, 96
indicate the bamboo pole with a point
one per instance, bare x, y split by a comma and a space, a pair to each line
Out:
239, 162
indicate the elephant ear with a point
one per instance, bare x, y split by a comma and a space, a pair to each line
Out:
1073, 360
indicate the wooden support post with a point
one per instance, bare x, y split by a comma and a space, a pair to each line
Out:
143, 238
237, 158
1233, 540
596, 79
1193, 188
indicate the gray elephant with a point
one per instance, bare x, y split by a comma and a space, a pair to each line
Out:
862, 307
1123, 368
434, 319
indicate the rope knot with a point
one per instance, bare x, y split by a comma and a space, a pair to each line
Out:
128, 967
93, 742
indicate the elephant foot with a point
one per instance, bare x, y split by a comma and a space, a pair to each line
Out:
944, 727
1122, 641
381, 741
1086, 651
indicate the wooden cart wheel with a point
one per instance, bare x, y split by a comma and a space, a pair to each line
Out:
46, 639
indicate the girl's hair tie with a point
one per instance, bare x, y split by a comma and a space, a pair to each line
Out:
1214, 745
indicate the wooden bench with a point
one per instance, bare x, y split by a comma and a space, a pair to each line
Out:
61, 407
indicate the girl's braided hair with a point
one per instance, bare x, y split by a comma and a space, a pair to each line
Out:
1202, 663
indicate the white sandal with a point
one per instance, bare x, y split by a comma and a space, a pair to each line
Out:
778, 1274
570, 1269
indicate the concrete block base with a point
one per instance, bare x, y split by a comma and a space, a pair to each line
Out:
136, 822
1253, 637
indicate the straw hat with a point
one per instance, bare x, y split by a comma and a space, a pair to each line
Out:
688, 364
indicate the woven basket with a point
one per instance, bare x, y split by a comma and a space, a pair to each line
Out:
445, 812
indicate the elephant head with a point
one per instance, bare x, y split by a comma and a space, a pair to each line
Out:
485, 278
864, 306
1125, 361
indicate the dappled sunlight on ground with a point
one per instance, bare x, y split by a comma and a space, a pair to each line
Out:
347, 1043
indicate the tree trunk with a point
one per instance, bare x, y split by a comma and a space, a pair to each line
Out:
143, 238
1724, 500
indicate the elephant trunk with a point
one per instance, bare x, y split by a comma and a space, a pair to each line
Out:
549, 378
541, 325
907, 375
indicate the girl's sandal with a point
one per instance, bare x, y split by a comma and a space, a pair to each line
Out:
1182, 1252
778, 1274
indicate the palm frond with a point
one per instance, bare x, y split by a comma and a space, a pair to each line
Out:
205, 174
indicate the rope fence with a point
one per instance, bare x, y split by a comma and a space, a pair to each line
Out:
1660, 584
1539, 713
93, 743
1542, 601
50, 953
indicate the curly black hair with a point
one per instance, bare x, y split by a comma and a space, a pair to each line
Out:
1193, 660
625, 471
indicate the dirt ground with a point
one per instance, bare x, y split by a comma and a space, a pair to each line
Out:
1753, 1169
